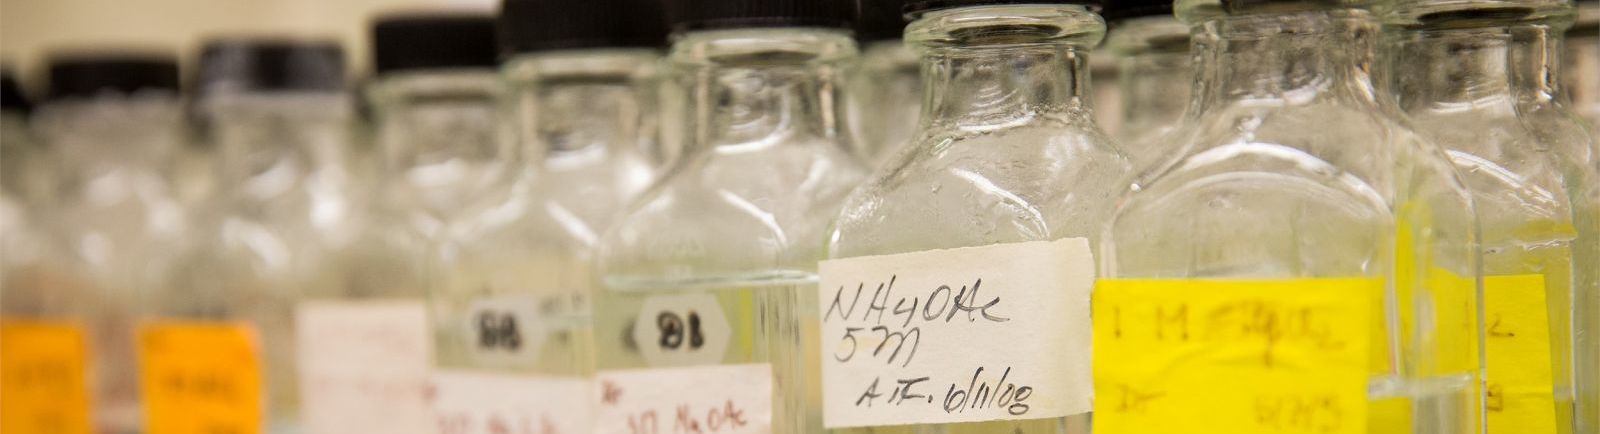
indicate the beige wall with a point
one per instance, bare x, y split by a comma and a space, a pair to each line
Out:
30, 28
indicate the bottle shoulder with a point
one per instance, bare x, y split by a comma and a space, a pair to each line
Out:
735, 214
1020, 184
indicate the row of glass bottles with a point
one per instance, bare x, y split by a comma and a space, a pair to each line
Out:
1321, 248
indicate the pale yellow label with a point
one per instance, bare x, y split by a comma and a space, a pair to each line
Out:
200, 378
43, 385
1517, 329
1232, 356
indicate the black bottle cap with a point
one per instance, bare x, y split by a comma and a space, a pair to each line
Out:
919, 6
685, 15
880, 20
12, 98
536, 25
432, 40
87, 75
1117, 10
268, 65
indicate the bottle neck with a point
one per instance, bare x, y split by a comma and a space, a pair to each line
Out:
1292, 58
1154, 68
442, 145
1002, 66
755, 89
92, 137
270, 140
1504, 64
583, 106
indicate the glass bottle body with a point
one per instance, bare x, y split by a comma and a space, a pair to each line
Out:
1295, 172
1154, 61
1481, 92
730, 232
885, 99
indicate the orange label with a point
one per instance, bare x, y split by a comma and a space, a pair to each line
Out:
43, 389
200, 378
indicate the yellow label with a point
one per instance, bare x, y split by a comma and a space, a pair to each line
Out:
1517, 329
1232, 356
200, 378
43, 385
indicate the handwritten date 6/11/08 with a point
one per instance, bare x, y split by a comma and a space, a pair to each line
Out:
978, 394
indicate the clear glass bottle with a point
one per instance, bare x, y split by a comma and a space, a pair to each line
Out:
512, 302
1477, 78
1152, 50
1007, 154
1300, 186
112, 125
709, 276
885, 90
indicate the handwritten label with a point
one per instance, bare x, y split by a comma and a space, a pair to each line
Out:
682, 330
42, 377
504, 331
466, 402
1521, 394
363, 366
962, 335
715, 399
1241, 356
200, 377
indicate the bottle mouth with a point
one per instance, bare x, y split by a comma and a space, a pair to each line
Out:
1007, 25
1434, 14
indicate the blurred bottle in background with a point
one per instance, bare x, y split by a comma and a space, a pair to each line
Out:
44, 354
277, 120
708, 297
884, 94
1478, 79
1152, 51
113, 124
511, 304
1297, 185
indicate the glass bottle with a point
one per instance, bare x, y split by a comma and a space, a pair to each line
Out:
885, 90
1152, 49
278, 119
511, 310
43, 327
1477, 78
707, 279
434, 98
1303, 197
112, 125
1008, 178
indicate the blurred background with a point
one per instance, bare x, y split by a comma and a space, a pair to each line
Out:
29, 29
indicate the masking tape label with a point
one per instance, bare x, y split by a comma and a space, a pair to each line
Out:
1232, 356
959, 335
200, 377
43, 377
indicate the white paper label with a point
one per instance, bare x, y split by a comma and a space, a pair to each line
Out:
364, 366
961, 335
715, 399
682, 330
466, 402
504, 331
